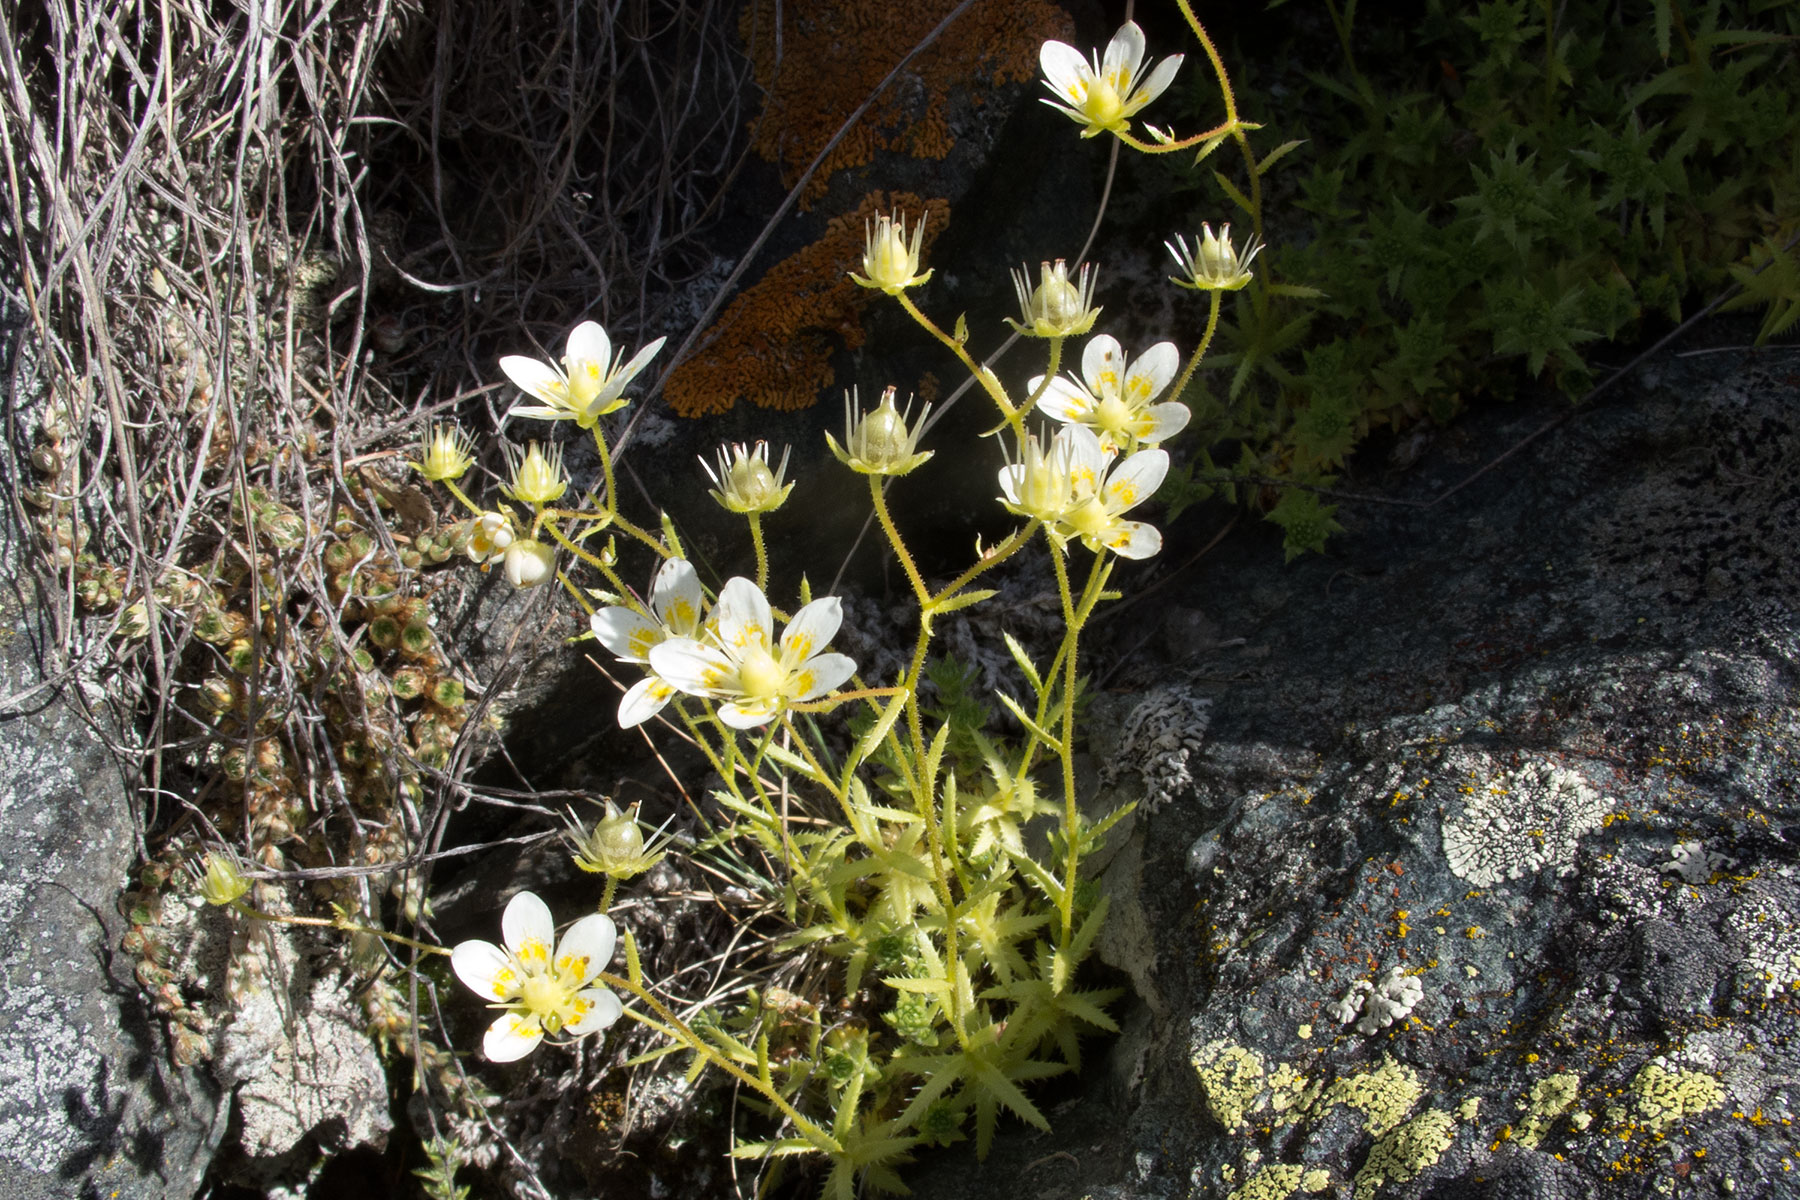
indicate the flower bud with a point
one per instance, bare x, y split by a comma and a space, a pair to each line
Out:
614, 846
880, 442
1060, 306
537, 475
444, 453
528, 562
223, 883
744, 482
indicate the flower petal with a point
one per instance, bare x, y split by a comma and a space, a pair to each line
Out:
629, 635
1126, 50
748, 714
1136, 480
742, 614
529, 929
602, 1008
645, 698
1166, 420
638, 362
586, 948
676, 598
588, 343
1101, 361
1151, 372
1133, 539
693, 667
486, 968
811, 630
1158, 82
1065, 400
540, 379
820, 674
1066, 70
512, 1037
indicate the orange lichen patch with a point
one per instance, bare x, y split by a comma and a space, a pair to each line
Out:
833, 54
773, 345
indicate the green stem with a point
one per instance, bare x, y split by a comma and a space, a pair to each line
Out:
893, 536
1212, 323
987, 379
762, 553
458, 493
674, 1024
606, 896
343, 925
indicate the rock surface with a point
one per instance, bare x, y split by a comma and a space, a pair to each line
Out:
1473, 871
89, 1101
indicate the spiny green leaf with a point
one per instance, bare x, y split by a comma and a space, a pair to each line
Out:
960, 601
1053, 744
1024, 660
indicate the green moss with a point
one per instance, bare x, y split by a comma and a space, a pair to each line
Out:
1383, 1095
1406, 1151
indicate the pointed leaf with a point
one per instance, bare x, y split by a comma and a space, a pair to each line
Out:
1277, 154
961, 600
1238, 198
1024, 661
1054, 745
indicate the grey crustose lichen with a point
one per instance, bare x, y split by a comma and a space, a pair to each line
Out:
1513, 823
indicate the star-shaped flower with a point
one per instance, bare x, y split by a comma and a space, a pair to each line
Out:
1078, 490
1116, 399
676, 604
590, 383
1105, 94
542, 992
741, 665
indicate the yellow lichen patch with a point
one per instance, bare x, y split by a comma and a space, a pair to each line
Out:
773, 345
828, 56
1275, 1182
1232, 1078
1383, 1095
1316, 1180
1550, 1098
1405, 1152
1667, 1097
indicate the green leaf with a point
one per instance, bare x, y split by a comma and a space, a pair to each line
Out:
1012, 706
1024, 661
779, 1148
962, 328
1238, 198
1277, 154
872, 740
1664, 10
929, 987
634, 970
959, 601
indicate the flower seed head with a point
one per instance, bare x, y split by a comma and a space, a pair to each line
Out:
537, 475
890, 261
444, 453
744, 482
883, 441
1213, 265
1059, 306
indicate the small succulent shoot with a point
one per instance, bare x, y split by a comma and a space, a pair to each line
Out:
882, 441
537, 475
890, 261
615, 846
445, 453
1058, 306
223, 882
1213, 264
744, 482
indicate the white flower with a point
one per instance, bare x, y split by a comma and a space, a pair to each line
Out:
890, 262
879, 442
528, 562
542, 992
1115, 403
537, 475
741, 665
1058, 306
1105, 94
745, 483
444, 453
1213, 265
1078, 490
491, 534
590, 383
676, 602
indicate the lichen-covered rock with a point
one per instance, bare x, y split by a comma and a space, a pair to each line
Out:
1534, 752
90, 1103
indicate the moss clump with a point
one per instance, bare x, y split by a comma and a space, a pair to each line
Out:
1406, 1151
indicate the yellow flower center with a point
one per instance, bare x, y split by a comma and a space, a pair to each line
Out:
543, 996
759, 676
1113, 416
1089, 518
1103, 106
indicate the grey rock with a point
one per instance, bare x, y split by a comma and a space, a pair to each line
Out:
1596, 646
